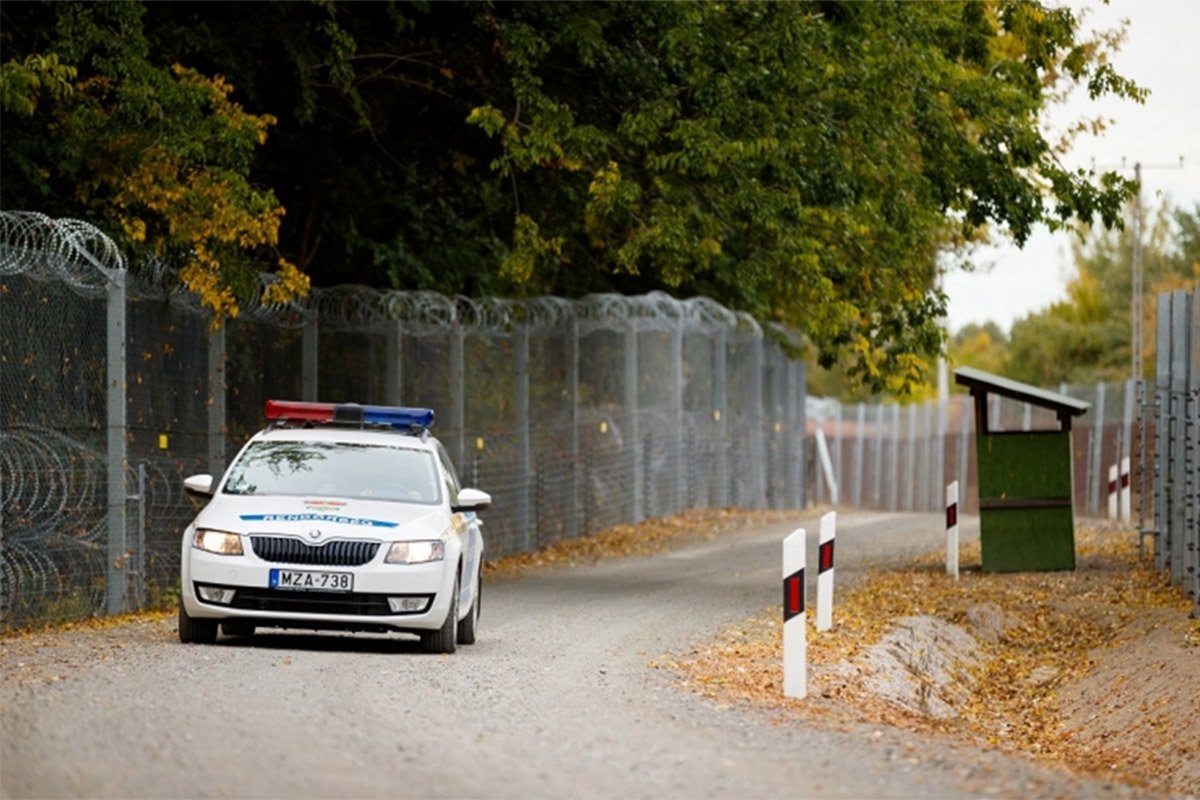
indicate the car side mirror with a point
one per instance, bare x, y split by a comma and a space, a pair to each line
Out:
199, 485
471, 500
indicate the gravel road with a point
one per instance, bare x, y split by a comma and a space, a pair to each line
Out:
556, 699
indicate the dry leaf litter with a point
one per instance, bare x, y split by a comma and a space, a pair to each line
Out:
999, 657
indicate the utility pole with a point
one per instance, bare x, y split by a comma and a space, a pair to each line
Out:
1136, 366
1135, 311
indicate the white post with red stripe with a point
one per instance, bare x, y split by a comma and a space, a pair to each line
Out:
1125, 490
952, 530
795, 637
1113, 491
825, 571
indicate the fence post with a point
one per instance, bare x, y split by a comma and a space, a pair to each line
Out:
758, 448
216, 401
939, 470
894, 483
720, 349
1162, 396
838, 463
1127, 421
1180, 457
115, 399
633, 438
1097, 442
911, 458
795, 436
1192, 469
677, 461
649, 495
877, 482
801, 434
924, 485
860, 424
457, 392
309, 357
572, 522
521, 406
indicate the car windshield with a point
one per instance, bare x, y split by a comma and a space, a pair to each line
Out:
336, 469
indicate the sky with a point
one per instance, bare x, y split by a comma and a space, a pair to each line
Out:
1161, 53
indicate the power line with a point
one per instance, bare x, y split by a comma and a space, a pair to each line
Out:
1136, 365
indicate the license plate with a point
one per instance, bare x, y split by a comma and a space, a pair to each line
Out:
304, 580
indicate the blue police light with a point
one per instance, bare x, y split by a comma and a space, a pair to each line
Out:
398, 417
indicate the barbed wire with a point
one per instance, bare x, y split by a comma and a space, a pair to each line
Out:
67, 250
83, 257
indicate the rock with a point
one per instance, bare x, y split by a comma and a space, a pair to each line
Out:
922, 665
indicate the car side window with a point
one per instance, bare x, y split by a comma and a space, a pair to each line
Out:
452, 485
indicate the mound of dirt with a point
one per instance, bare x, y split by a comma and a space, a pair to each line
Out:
922, 665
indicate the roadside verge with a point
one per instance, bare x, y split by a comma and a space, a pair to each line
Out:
1095, 669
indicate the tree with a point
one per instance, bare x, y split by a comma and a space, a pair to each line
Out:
157, 155
983, 347
1086, 338
808, 162
804, 161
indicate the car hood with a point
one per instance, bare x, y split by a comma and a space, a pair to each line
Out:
321, 519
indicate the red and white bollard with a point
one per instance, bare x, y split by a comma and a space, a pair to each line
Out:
825, 571
795, 637
952, 530
1113, 491
1126, 492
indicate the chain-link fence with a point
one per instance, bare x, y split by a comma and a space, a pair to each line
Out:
1172, 414
574, 415
901, 457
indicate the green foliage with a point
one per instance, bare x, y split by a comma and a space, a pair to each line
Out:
1086, 338
980, 346
808, 162
22, 82
158, 155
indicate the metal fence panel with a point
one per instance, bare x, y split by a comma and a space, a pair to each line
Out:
575, 415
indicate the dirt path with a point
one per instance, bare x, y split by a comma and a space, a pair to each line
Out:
557, 699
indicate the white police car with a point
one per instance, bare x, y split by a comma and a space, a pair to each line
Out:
337, 517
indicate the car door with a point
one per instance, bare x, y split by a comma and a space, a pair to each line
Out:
473, 538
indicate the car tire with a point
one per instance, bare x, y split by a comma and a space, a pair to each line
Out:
445, 638
470, 623
238, 628
191, 629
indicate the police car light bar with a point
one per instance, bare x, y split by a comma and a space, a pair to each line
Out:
350, 413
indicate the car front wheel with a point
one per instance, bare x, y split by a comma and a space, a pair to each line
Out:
192, 629
444, 639
470, 623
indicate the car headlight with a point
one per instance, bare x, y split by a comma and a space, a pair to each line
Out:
225, 544
416, 552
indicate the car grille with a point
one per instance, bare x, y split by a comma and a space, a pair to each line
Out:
338, 553
311, 602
